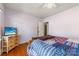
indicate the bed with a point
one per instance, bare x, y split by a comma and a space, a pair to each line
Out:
52, 46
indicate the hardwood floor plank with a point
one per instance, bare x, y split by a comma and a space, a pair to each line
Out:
20, 50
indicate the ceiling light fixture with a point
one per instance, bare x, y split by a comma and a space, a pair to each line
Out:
49, 5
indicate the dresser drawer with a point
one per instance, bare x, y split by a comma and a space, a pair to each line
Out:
9, 42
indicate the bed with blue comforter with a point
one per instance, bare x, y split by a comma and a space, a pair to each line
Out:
40, 48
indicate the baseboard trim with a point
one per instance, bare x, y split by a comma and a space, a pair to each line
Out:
25, 41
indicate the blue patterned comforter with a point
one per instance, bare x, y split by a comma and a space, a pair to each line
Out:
39, 48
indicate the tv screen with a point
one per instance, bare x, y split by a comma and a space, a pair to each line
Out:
10, 30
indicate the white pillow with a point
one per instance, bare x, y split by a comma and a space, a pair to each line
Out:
49, 41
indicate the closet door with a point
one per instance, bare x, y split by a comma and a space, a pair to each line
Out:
0, 46
0, 40
1, 25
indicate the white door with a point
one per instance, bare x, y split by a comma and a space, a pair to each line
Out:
41, 29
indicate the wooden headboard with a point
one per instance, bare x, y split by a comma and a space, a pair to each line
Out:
41, 38
44, 37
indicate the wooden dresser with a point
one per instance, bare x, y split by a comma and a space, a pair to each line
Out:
9, 42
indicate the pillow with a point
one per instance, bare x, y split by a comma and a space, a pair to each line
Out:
60, 39
50, 42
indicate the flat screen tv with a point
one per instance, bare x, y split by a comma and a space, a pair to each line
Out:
10, 30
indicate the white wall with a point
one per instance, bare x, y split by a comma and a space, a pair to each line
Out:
65, 23
26, 24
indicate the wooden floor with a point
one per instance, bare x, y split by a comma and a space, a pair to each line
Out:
17, 51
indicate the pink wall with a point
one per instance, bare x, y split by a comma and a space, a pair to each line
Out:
65, 23
26, 24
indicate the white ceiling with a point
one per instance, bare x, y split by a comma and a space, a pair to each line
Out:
37, 10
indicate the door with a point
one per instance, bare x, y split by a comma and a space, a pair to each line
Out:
0, 40
46, 28
40, 29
